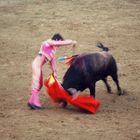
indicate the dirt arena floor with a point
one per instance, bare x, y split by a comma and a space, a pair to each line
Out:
24, 24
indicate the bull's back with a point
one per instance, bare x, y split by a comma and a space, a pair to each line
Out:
95, 63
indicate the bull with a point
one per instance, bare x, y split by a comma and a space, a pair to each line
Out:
88, 68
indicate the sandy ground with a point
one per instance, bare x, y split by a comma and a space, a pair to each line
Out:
24, 24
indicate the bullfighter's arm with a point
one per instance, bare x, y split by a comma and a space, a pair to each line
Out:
62, 42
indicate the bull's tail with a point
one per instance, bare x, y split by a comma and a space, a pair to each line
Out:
101, 46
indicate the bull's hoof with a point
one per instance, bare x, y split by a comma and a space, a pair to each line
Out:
120, 93
110, 93
63, 104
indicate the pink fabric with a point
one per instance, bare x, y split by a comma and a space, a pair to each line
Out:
37, 76
47, 51
34, 98
60, 42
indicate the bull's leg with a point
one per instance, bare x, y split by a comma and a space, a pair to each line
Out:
115, 78
107, 85
92, 89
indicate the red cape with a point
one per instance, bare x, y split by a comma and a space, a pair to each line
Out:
58, 94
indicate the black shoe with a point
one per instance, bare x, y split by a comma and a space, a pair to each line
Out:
34, 107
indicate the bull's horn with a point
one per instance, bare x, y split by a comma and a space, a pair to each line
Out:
72, 91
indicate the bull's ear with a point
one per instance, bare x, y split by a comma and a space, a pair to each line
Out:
72, 91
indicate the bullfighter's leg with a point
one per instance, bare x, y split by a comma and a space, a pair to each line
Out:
115, 78
107, 85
